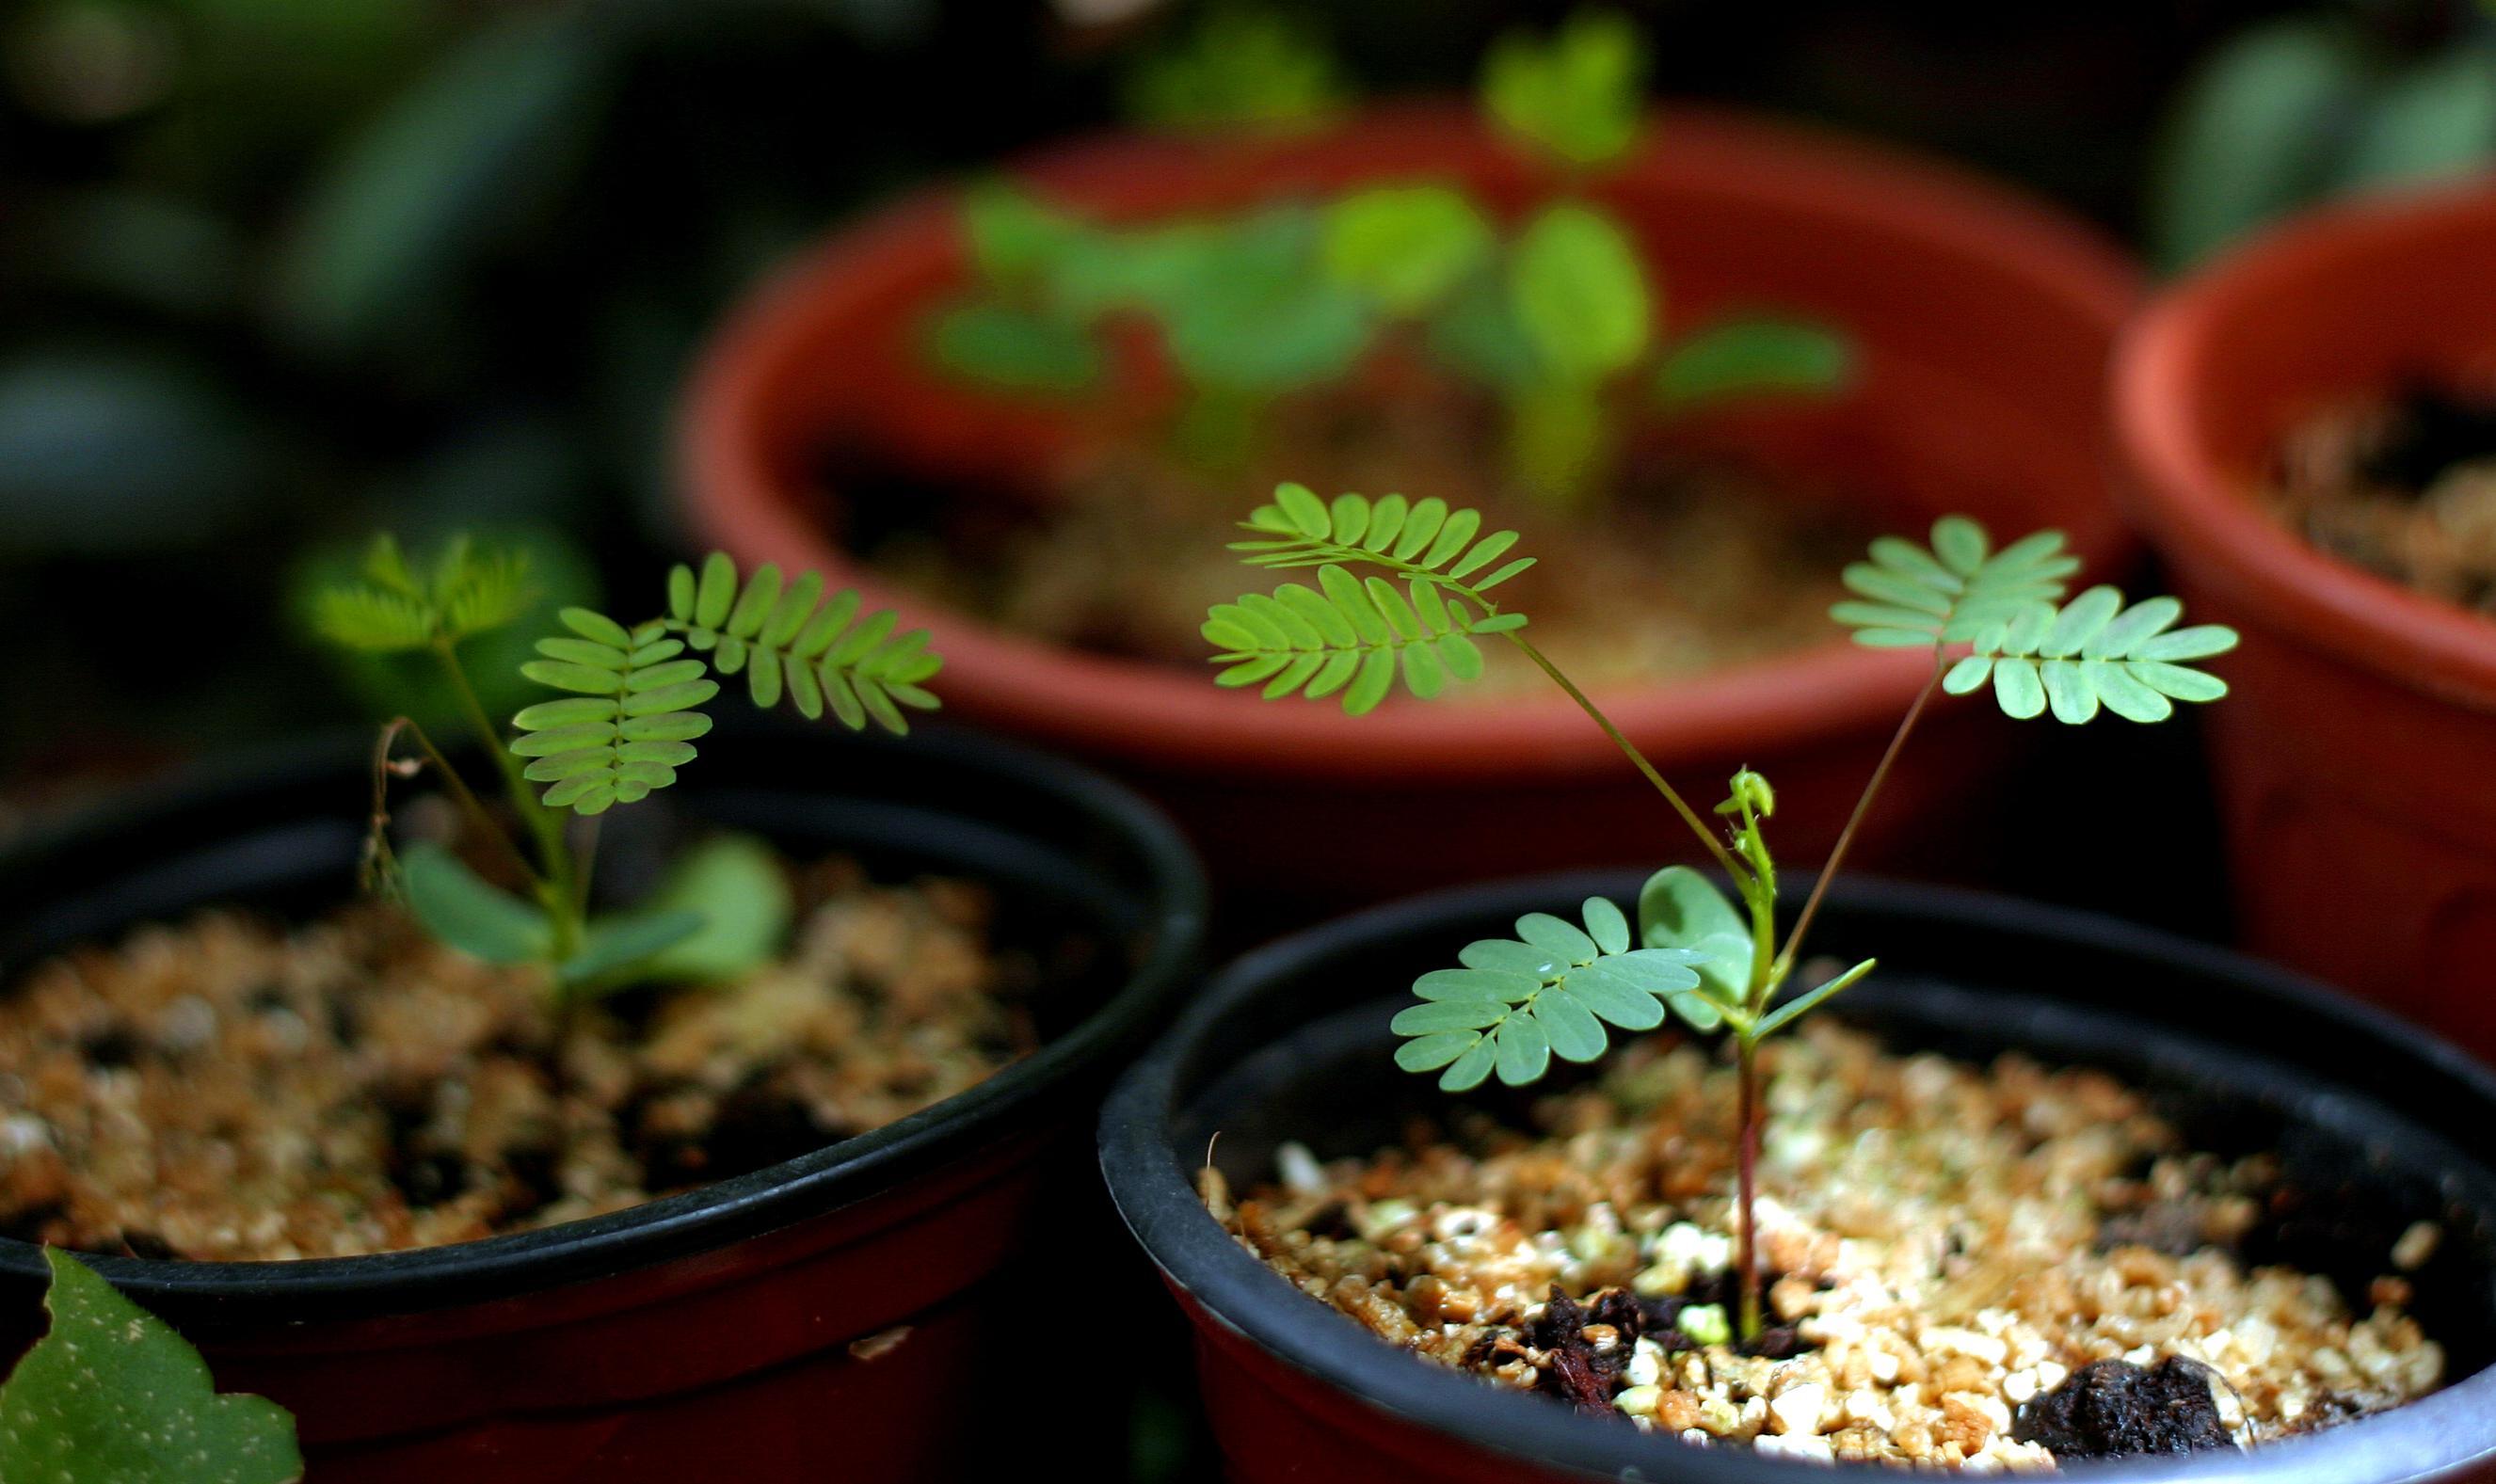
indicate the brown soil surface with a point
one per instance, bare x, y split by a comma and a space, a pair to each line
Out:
1955, 1248
2404, 487
228, 1089
1698, 563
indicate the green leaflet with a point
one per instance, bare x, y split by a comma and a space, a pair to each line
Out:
1549, 991
634, 707
1238, 68
111, 1395
735, 885
2090, 654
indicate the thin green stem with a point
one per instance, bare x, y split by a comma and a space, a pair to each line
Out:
1854, 821
559, 889
1746, 1189
479, 817
1680, 806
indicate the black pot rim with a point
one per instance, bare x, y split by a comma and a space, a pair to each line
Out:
2436, 1435
713, 1216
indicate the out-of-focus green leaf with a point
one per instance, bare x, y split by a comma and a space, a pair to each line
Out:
1405, 246
2436, 120
561, 576
1013, 348
461, 909
470, 152
109, 453
1580, 293
736, 884
621, 947
1476, 333
1576, 94
2257, 131
1258, 316
111, 1395
1748, 357
1239, 67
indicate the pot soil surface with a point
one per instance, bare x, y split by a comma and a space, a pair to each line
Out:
229, 1089
1972, 1266
1693, 562
2403, 487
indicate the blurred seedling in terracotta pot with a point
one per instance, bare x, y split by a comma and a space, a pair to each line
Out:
1404, 593
1552, 315
630, 712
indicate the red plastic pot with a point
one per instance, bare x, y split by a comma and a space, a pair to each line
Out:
2376, 1121
2356, 758
818, 1318
1985, 323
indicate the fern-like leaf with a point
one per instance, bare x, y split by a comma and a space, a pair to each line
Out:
1352, 636
1420, 538
792, 644
1549, 991
629, 723
2094, 652
389, 610
1912, 596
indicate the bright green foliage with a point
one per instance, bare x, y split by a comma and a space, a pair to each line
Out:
462, 910
736, 886
2037, 651
1549, 316
1238, 67
390, 607
111, 1395
1575, 96
1580, 295
1916, 597
1354, 634
636, 694
1406, 247
2094, 651
1752, 358
1547, 991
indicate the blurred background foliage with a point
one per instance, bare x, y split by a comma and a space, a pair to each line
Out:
279, 270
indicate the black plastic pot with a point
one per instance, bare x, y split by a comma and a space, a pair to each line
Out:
707, 1334
2379, 1122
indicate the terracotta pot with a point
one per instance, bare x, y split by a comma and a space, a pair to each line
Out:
2356, 758
1984, 319
2375, 1120
817, 1318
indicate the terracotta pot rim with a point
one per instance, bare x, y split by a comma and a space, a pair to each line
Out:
1171, 718
2195, 507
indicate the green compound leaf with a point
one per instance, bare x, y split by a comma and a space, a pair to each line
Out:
462, 910
386, 608
635, 708
1580, 293
1549, 991
111, 1395
1915, 597
2091, 653
1753, 358
1406, 247
1575, 96
1357, 636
